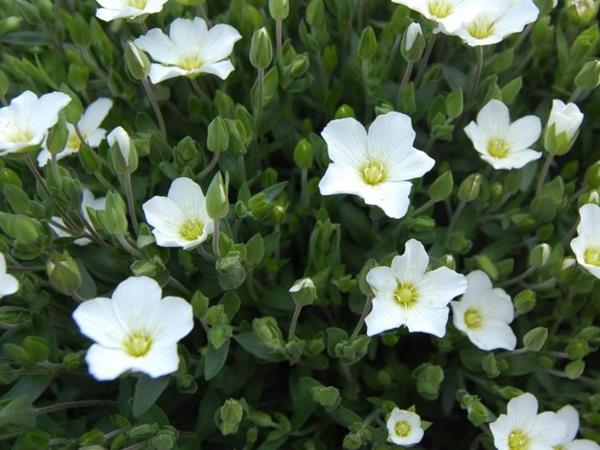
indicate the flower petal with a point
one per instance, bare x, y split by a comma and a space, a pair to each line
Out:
427, 319
221, 69
384, 316
382, 280
391, 197
188, 196
524, 132
346, 142
8, 284
477, 137
440, 286
45, 114
410, 267
159, 361
493, 334
494, 119
549, 429
389, 134
163, 214
158, 45
136, 302
341, 179
523, 409
94, 115
514, 160
176, 320
188, 33
107, 363
218, 43
570, 418
160, 73
98, 321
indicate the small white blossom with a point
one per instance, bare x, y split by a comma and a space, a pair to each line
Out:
484, 314
89, 127
406, 294
25, 122
123, 141
88, 201
566, 118
448, 14
8, 284
375, 165
127, 9
570, 418
404, 427
522, 428
180, 219
135, 330
412, 32
586, 245
499, 142
304, 283
190, 49
491, 21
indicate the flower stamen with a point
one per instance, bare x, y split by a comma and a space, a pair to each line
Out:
518, 440
190, 62
191, 230
498, 148
137, 344
473, 318
137, 4
402, 428
406, 295
481, 27
440, 8
373, 172
592, 256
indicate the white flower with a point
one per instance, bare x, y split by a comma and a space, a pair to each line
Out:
89, 127
123, 141
522, 428
412, 32
180, 219
135, 330
449, 14
406, 294
26, 121
586, 245
484, 314
304, 283
503, 144
566, 118
8, 284
570, 418
88, 201
404, 427
190, 49
493, 20
375, 166
127, 9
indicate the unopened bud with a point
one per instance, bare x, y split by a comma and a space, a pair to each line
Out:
261, 49
136, 61
123, 154
217, 201
63, 273
303, 292
303, 154
217, 140
279, 9
367, 46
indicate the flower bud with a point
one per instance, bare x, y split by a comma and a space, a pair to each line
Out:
525, 301
261, 49
413, 43
114, 217
470, 188
539, 255
303, 154
217, 140
326, 396
592, 175
567, 268
267, 331
63, 273
352, 441
574, 369
535, 339
577, 348
429, 379
442, 187
279, 9
304, 292
229, 416
217, 202
582, 12
562, 128
74, 109
367, 46
448, 261
219, 335
300, 65
57, 137
588, 77
230, 271
122, 151
136, 61
89, 159
216, 315
344, 111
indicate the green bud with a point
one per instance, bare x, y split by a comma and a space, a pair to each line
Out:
217, 140
79, 31
442, 187
592, 175
413, 43
303, 154
490, 365
588, 77
260, 206
367, 46
63, 273
199, 304
123, 154
217, 202
525, 301
350, 351
344, 111
539, 255
36, 348
267, 331
279, 9
216, 315
261, 49
89, 159
352, 441
454, 103
219, 335
23, 229
57, 138
315, 13
326, 396
229, 416
143, 431
470, 188
575, 369
136, 61
114, 217
303, 292
478, 414
535, 339
567, 268
72, 360
429, 379
582, 12
300, 64
74, 109
330, 58
251, 19
448, 261
578, 348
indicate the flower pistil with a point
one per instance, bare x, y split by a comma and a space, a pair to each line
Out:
138, 344
373, 172
592, 256
440, 8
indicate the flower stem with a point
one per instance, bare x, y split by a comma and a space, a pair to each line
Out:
130, 201
425, 206
575, 95
70, 405
199, 91
425, 60
259, 107
127, 246
211, 165
155, 107
453, 220
304, 187
365, 80
215, 240
477, 77
294, 323
405, 78
279, 40
518, 278
544, 173
363, 316
242, 165
179, 286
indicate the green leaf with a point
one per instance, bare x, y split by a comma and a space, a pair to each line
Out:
215, 360
147, 392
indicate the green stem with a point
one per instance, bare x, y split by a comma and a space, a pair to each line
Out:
365, 79
544, 173
294, 323
127, 246
304, 187
70, 405
279, 40
259, 107
518, 278
215, 240
179, 286
199, 91
453, 220
425, 60
211, 165
477, 77
130, 201
425, 206
405, 78
363, 316
155, 106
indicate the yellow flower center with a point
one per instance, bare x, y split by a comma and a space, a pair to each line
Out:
19, 136
518, 440
481, 28
559, 447
592, 256
498, 148
473, 319
406, 295
440, 8
137, 4
191, 230
373, 172
190, 62
138, 344
74, 142
402, 428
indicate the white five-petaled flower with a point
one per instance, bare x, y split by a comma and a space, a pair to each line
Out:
26, 121
406, 294
491, 21
404, 427
570, 418
135, 330
375, 165
586, 245
88, 201
180, 219
566, 118
190, 49
484, 314
522, 428
499, 142
127, 9
89, 127
448, 14
8, 284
